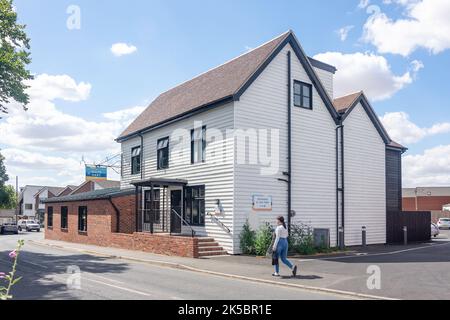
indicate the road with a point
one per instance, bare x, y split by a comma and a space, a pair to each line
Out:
51, 273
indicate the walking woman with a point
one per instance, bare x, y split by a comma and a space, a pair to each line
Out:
280, 247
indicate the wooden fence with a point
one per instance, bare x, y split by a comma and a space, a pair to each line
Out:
417, 222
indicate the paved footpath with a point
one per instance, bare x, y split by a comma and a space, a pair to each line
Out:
47, 273
420, 271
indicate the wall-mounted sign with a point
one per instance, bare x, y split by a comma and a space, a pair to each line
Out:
262, 203
96, 173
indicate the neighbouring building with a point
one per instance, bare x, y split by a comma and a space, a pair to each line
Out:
257, 137
446, 207
425, 198
67, 190
43, 194
93, 185
27, 202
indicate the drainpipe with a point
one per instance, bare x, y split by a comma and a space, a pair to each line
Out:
289, 125
142, 155
117, 214
340, 190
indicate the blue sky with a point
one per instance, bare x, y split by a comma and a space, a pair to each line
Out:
176, 40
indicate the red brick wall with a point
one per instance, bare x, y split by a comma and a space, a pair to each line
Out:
102, 224
86, 188
431, 203
409, 204
66, 192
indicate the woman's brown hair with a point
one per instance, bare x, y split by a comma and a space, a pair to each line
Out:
281, 219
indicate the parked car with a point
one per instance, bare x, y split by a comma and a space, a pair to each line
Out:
434, 230
444, 223
29, 225
9, 227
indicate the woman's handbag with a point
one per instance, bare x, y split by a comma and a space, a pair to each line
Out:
275, 261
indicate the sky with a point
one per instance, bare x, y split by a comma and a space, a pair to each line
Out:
98, 64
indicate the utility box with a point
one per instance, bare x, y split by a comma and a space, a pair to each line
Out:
322, 238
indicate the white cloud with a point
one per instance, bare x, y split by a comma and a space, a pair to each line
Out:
343, 32
430, 168
121, 49
47, 87
366, 71
124, 115
426, 25
403, 130
45, 143
363, 4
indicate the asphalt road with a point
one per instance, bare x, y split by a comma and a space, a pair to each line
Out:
51, 273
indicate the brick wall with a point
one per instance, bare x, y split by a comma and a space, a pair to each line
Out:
102, 223
86, 188
431, 203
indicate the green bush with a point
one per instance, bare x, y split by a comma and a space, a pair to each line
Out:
263, 239
247, 239
302, 239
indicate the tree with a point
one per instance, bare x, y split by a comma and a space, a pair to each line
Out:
8, 199
14, 57
3, 176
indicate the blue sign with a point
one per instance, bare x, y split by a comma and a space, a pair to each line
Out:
96, 173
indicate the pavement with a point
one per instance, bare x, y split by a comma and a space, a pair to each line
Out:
63, 273
416, 271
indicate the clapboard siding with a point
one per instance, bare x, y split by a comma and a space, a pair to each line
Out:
326, 78
314, 159
216, 173
264, 105
365, 179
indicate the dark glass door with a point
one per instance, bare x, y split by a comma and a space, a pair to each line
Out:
176, 205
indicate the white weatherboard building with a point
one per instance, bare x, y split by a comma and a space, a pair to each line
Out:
258, 137
27, 201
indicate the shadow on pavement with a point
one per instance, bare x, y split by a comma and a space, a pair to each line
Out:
39, 269
301, 277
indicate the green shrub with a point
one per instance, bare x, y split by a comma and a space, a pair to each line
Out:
247, 239
302, 239
263, 239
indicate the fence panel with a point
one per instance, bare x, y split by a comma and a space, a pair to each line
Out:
417, 222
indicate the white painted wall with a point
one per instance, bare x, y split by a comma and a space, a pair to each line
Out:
365, 184
264, 105
27, 195
314, 159
327, 79
216, 173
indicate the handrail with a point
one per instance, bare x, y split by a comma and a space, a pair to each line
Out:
185, 222
220, 222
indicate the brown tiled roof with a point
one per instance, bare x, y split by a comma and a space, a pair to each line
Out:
214, 85
343, 103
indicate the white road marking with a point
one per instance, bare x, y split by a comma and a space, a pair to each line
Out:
373, 254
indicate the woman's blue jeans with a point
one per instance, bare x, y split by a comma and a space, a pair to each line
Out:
282, 250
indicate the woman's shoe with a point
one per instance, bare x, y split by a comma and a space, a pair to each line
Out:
275, 274
294, 271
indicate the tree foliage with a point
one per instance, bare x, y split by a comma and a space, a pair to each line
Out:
8, 198
14, 57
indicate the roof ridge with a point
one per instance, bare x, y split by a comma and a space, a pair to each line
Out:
225, 63
349, 94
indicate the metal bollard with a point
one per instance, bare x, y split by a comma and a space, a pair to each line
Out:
341, 238
405, 235
364, 236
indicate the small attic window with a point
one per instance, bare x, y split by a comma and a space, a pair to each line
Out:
303, 95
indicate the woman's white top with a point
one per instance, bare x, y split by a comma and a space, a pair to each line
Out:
280, 233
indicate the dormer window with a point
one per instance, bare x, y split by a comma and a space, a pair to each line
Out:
302, 95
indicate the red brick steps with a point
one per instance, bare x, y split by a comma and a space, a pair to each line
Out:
208, 247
